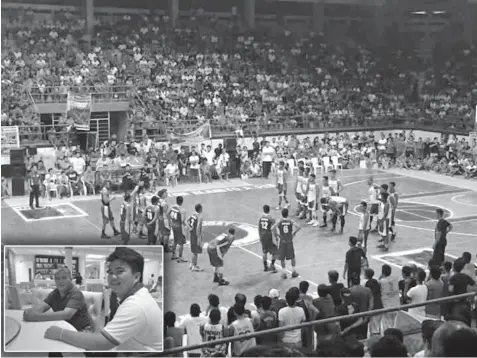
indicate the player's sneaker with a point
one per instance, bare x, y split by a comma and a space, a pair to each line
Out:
104, 236
223, 282
393, 237
197, 269
274, 269
116, 233
284, 276
174, 257
311, 222
323, 225
316, 224
340, 231
278, 208
287, 205
294, 274
216, 278
380, 246
265, 268
181, 260
332, 229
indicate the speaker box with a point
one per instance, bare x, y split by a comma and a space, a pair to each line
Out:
18, 186
7, 171
16, 156
230, 144
18, 171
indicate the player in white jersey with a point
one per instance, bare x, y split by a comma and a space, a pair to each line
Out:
337, 207
373, 192
384, 216
304, 190
364, 226
282, 177
335, 183
298, 190
312, 197
394, 200
326, 192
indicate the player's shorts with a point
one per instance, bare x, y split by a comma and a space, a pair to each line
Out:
163, 229
151, 234
324, 208
215, 260
107, 214
312, 205
374, 209
195, 245
383, 228
268, 246
343, 210
140, 218
282, 191
179, 237
298, 197
286, 251
125, 231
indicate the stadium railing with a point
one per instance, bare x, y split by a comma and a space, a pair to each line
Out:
175, 351
115, 176
57, 94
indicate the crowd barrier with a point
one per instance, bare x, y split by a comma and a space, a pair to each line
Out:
115, 176
366, 314
58, 94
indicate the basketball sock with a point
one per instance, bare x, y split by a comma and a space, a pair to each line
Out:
333, 221
273, 263
324, 219
342, 222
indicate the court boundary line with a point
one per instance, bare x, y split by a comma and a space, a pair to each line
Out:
454, 199
81, 212
381, 257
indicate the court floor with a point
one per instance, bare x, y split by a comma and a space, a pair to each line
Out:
239, 203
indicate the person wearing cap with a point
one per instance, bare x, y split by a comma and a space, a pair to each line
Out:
138, 322
350, 326
277, 302
217, 249
65, 303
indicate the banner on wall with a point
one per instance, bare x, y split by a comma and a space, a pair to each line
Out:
195, 137
10, 139
472, 136
78, 109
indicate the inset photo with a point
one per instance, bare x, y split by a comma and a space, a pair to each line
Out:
83, 298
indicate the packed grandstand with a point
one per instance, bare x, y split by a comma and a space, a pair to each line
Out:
316, 97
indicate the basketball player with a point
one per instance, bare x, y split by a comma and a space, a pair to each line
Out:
196, 237
282, 178
364, 226
394, 200
304, 190
285, 231
335, 183
384, 216
163, 228
177, 217
265, 225
326, 192
106, 211
151, 216
126, 218
140, 201
217, 249
373, 192
337, 207
312, 196
298, 190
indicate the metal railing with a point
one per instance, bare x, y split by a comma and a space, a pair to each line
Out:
59, 94
366, 314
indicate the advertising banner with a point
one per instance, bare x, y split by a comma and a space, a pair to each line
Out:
10, 139
78, 108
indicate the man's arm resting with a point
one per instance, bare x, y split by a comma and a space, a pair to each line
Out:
64, 315
87, 341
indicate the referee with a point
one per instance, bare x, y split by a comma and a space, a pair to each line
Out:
34, 180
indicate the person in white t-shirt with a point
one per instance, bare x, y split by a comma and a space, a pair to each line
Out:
192, 324
78, 163
289, 316
138, 322
418, 294
268, 155
241, 326
171, 172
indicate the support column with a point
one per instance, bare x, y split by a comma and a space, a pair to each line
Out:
90, 17
69, 258
318, 16
380, 19
249, 13
174, 12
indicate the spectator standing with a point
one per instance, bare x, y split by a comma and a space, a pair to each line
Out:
435, 290
240, 299
350, 326
428, 327
469, 268
172, 334
268, 155
389, 296
443, 227
241, 325
326, 308
418, 294
335, 287
277, 302
458, 285
363, 297
34, 179
191, 325
212, 331
406, 283
268, 320
289, 316
375, 287
353, 262
214, 303
445, 277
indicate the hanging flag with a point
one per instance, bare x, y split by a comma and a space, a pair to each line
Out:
78, 108
195, 137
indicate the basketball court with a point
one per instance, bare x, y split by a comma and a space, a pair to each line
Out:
239, 203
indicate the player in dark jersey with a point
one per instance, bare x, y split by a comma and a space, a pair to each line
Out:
151, 216
217, 249
285, 230
265, 225
163, 230
195, 229
125, 218
140, 202
106, 211
177, 218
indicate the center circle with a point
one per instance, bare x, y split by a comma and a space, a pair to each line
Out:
245, 234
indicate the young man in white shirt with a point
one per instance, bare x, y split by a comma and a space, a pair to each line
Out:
418, 294
137, 324
288, 316
192, 324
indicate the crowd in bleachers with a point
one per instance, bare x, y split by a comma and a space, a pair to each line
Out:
206, 69
374, 336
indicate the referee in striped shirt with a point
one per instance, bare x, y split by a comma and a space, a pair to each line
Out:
34, 180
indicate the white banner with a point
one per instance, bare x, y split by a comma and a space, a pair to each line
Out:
78, 108
10, 139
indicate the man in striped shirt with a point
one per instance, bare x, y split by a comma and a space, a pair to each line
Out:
34, 181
